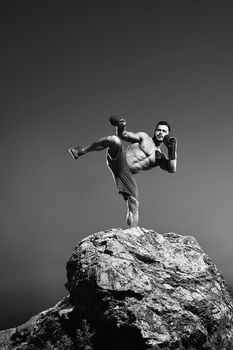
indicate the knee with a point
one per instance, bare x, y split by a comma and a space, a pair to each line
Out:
114, 140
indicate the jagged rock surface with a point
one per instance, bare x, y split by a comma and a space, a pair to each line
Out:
136, 289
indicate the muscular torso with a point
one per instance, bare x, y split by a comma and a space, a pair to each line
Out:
141, 155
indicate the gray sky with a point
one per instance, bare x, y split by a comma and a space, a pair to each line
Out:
66, 66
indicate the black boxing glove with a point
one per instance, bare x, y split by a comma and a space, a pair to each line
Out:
159, 155
119, 122
166, 140
172, 148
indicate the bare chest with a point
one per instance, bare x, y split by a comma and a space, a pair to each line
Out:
141, 156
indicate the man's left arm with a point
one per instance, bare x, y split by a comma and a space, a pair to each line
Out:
170, 163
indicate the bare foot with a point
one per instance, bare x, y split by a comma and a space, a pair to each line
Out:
76, 152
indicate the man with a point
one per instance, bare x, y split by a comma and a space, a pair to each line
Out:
143, 153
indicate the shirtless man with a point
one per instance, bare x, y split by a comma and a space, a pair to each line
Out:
143, 153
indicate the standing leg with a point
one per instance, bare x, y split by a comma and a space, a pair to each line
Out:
112, 142
132, 211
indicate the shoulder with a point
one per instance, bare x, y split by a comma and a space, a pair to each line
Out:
143, 135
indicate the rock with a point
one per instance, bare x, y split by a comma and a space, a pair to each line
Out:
136, 289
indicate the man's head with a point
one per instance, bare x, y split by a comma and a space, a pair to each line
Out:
162, 129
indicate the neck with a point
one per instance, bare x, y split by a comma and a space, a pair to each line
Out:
157, 143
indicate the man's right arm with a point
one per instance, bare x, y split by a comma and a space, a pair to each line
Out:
121, 131
128, 136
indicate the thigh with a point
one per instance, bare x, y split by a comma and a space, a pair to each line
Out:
114, 145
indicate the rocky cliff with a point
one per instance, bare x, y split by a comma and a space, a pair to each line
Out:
136, 289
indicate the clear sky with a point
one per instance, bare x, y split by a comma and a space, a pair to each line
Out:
65, 67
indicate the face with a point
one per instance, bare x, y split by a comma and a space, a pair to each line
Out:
161, 131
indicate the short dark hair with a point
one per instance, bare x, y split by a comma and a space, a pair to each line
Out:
163, 122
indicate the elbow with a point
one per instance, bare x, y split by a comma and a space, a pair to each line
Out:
172, 166
172, 170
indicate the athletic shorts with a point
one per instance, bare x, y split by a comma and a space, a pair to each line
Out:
122, 175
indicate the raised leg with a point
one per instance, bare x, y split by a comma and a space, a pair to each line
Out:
132, 211
112, 142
